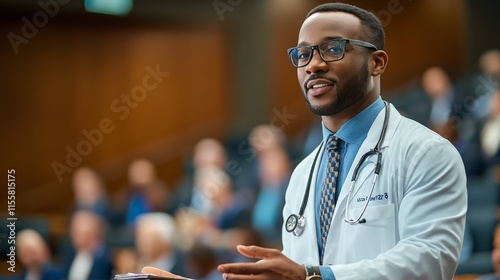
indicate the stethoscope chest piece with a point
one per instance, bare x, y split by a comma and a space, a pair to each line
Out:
295, 224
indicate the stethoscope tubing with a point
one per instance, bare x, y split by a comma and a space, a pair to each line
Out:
375, 151
299, 219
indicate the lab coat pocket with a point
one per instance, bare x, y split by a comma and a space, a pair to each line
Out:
375, 236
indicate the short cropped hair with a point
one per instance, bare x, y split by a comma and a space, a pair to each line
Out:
373, 27
163, 222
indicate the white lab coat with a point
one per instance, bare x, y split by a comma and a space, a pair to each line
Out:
415, 220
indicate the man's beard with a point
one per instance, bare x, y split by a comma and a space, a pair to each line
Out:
353, 90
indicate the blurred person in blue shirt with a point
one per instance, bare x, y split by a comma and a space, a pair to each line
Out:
35, 257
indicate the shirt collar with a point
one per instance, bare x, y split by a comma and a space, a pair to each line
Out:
354, 131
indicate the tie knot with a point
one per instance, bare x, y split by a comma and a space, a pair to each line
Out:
331, 143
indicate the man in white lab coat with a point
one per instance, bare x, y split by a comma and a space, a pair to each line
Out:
407, 223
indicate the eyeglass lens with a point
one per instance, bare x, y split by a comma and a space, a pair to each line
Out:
329, 51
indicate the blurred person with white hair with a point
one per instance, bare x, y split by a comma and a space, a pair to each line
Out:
155, 241
35, 257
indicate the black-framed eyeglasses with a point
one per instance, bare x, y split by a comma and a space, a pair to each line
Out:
331, 50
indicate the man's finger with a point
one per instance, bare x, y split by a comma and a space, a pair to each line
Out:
240, 268
243, 277
256, 252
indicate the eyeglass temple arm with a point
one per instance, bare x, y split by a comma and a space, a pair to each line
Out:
361, 43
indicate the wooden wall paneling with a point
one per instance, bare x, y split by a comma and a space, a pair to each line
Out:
66, 80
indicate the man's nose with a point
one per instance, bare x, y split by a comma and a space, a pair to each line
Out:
317, 63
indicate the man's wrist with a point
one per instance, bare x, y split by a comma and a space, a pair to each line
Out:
312, 273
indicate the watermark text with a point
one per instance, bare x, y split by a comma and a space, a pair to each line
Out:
11, 219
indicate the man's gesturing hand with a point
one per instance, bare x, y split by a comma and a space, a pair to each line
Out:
273, 266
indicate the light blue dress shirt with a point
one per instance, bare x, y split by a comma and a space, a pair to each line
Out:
352, 134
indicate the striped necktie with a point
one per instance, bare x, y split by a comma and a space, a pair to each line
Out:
329, 188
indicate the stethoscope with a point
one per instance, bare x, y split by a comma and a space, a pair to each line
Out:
297, 223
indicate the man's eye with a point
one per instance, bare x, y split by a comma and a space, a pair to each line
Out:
334, 50
303, 55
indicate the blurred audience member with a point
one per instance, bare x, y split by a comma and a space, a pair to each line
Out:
201, 263
274, 170
489, 79
477, 91
443, 108
207, 153
149, 194
438, 87
35, 257
125, 261
470, 151
490, 134
229, 209
489, 63
434, 101
262, 139
155, 243
90, 259
89, 192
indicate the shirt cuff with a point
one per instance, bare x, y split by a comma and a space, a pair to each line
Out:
326, 273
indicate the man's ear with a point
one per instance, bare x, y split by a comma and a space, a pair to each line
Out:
378, 62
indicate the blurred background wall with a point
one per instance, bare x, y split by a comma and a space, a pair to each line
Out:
87, 89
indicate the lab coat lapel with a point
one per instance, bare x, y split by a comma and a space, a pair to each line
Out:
310, 212
368, 144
